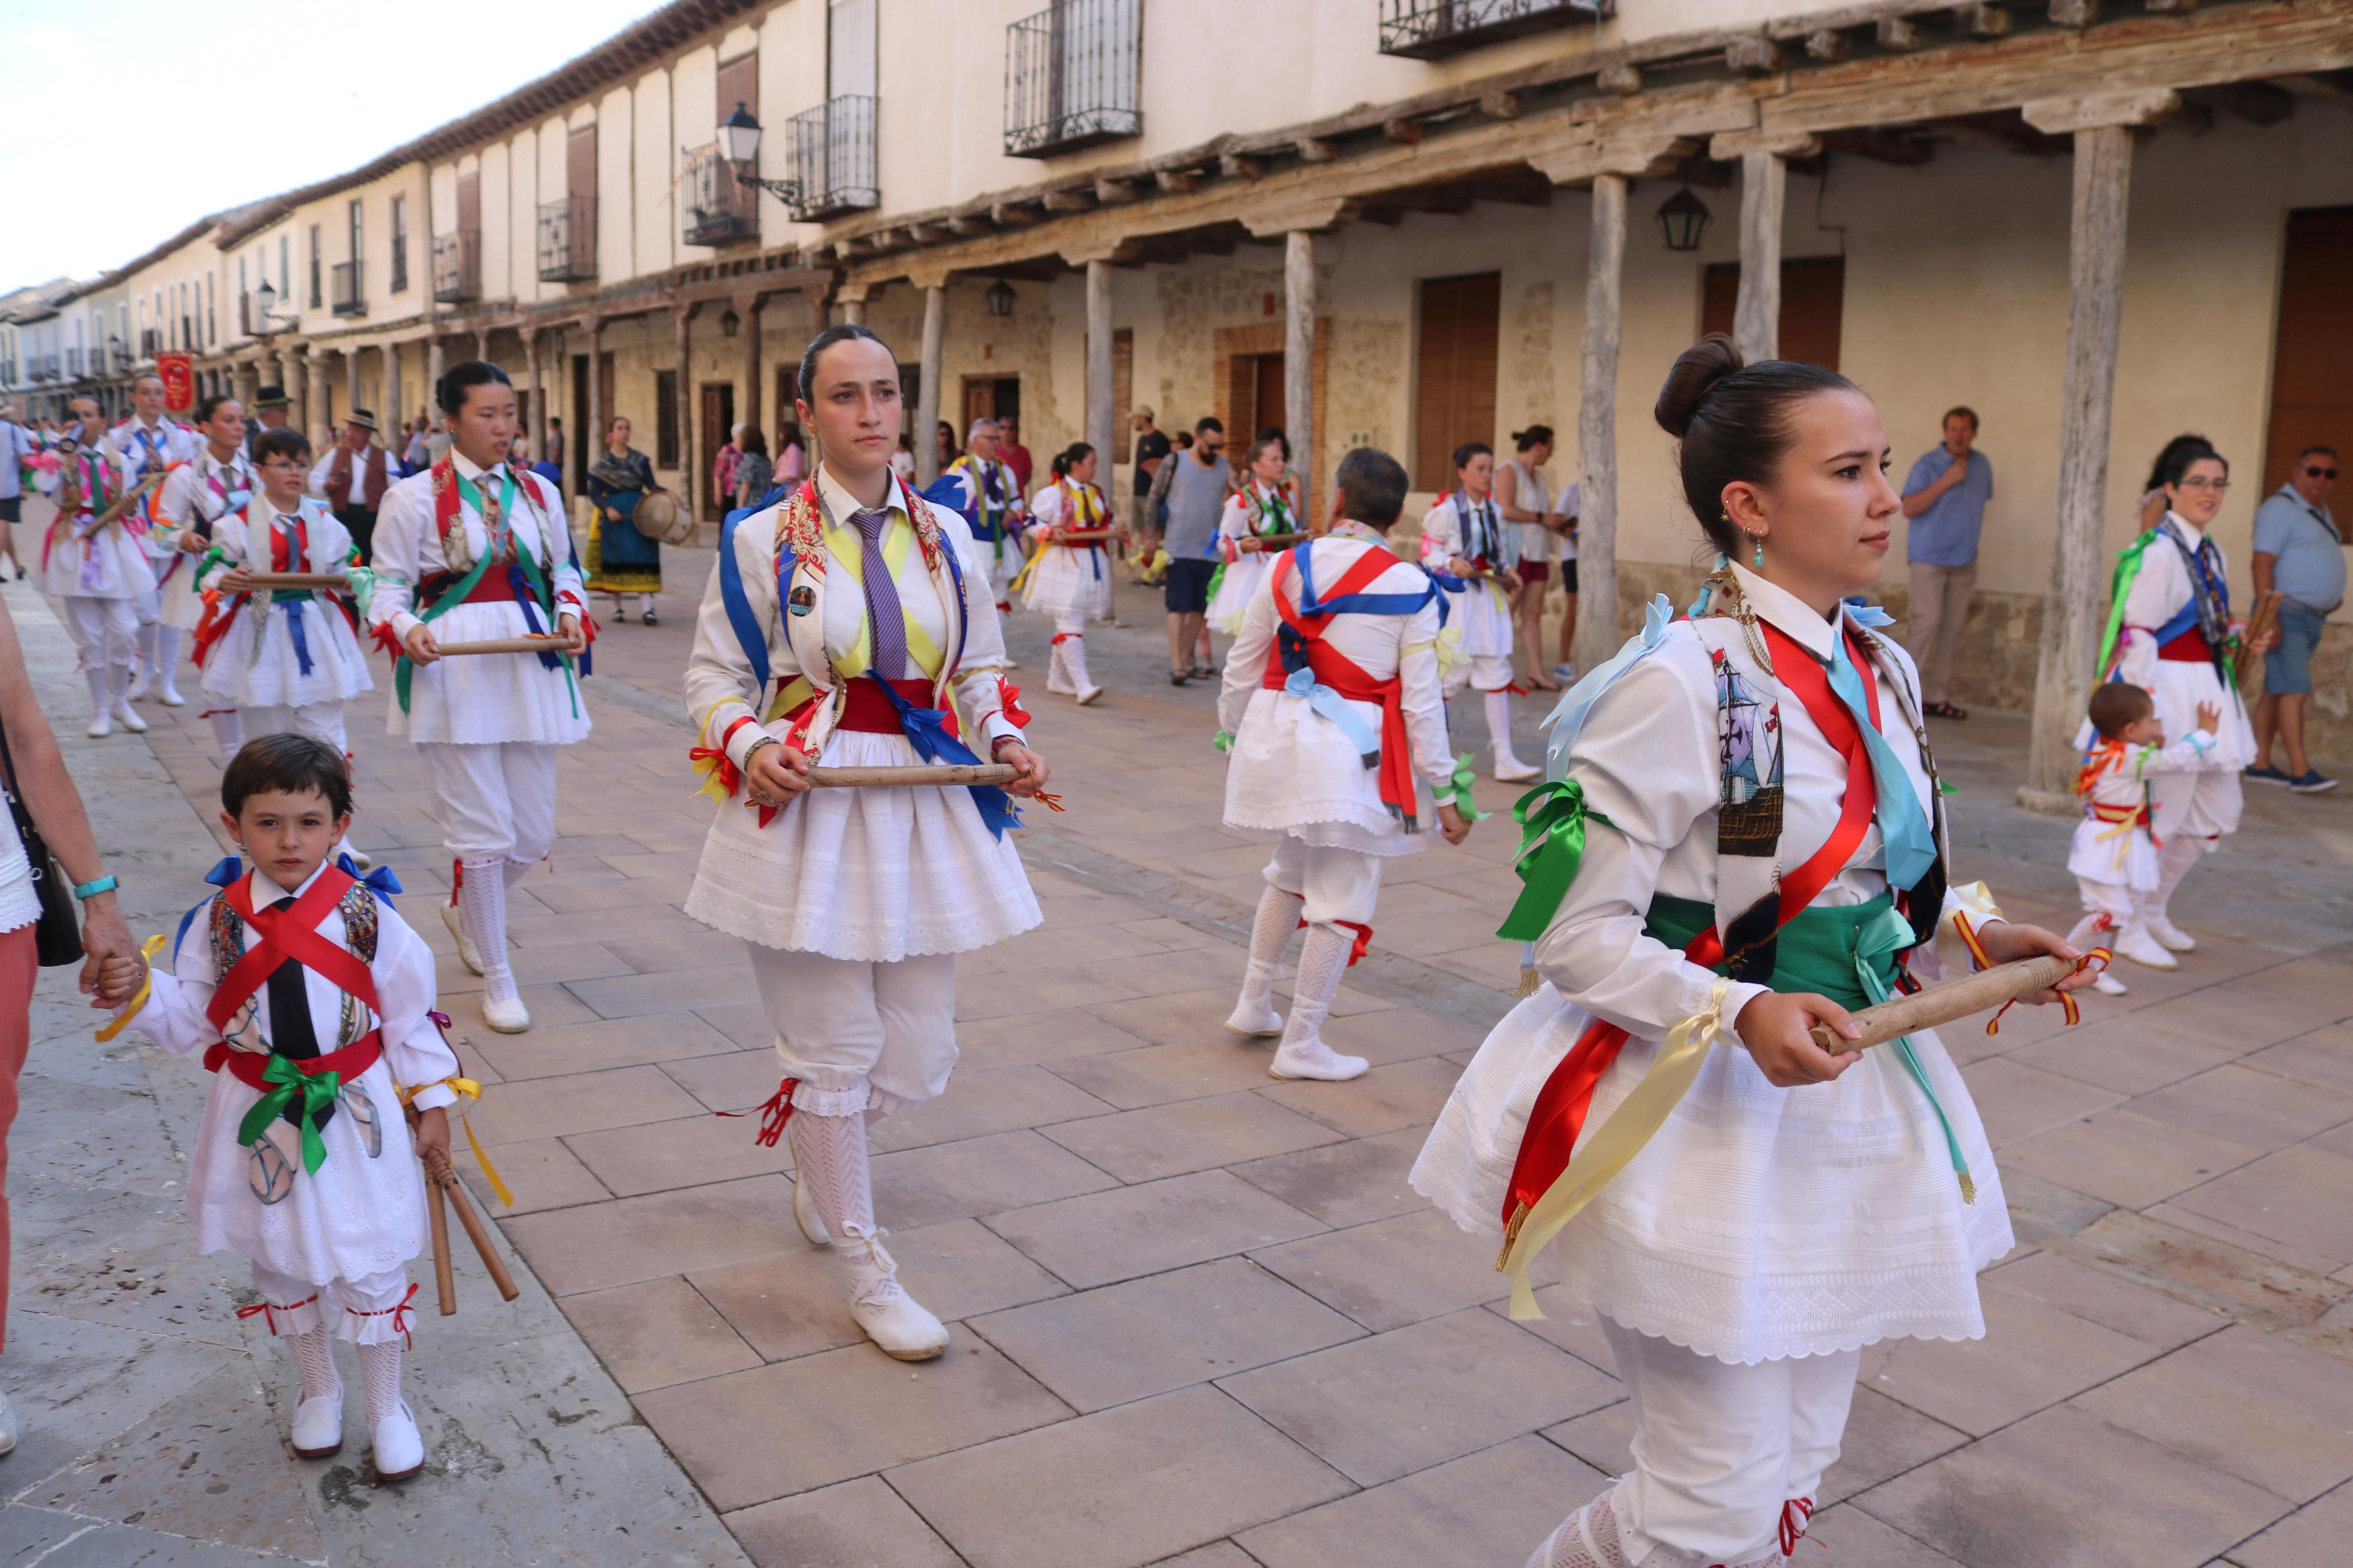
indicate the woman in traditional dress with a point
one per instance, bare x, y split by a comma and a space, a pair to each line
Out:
1070, 581
1264, 503
1465, 538
845, 627
1795, 1204
620, 559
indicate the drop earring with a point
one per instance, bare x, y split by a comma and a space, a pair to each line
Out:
1757, 562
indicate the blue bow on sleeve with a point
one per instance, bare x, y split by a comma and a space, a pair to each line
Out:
224, 872
380, 882
1570, 717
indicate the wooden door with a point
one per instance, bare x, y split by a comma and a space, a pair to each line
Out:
1268, 396
2312, 366
1813, 302
1454, 368
718, 418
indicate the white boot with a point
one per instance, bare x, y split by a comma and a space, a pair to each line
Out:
319, 1418
2134, 942
1074, 659
118, 686
2174, 862
228, 732
898, 1324
398, 1449
2108, 985
2172, 936
101, 723
9, 1429
143, 666
830, 1162
482, 903
1057, 679
1509, 769
1303, 1054
167, 667
1278, 917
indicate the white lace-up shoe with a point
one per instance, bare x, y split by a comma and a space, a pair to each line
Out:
2172, 937
900, 1327
1313, 1059
467, 954
2134, 942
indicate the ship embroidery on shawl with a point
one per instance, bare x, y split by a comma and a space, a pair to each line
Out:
1748, 750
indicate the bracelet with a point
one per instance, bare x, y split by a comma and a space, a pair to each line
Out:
757, 747
92, 889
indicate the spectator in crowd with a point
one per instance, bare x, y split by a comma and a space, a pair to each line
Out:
1193, 490
1945, 498
902, 462
620, 559
756, 476
353, 477
946, 441
1152, 448
1017, 455
17, 442
2300, 556
416, 459
722, 467
792, 454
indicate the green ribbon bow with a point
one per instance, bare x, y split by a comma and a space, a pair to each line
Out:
1458, 790
1876, 947
1223, 742
316, 1091
1552, 818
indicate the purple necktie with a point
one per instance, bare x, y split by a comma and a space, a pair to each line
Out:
883, 612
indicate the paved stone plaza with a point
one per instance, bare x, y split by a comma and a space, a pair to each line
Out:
1198, 1316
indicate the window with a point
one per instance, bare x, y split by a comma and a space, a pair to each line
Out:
400, 244
849, 49
1814, 296
318, 293
285, 252
358, 237
666, 442
1070, 77
1454, 368
212, 316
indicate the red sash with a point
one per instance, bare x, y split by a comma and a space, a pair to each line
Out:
1558, 1115
865, 710
247, 1067
489, 588
2190, 648
289, 933
1334, 668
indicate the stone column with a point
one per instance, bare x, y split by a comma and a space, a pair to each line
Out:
2102, 126
753, 309
538, 396
924, 437
317, 414
1596, 429
1764, 184
1298, 359
595, 431
690, 456
291, 384
244, 382
352, 381
1099, 389
483, 344
388, 414
851, 298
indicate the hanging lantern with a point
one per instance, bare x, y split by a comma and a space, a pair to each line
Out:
730, 322
1000, 297
1684, 218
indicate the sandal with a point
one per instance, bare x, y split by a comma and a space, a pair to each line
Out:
1944, 710
1178, 676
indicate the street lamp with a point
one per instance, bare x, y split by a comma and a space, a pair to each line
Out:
730, 322
1684, 218
1000, 297
263, 327
738, 143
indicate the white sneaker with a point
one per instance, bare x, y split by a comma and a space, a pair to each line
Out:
805, 1215
1509, 769
467, 954
102, 725
1313, 1059
128, 716
397, 1445
2173, 937
2108, 984
1058, 684
508, 1017
9, 1429
1089, 694
901, 1327
2134, 942
319, 1426
1253, 1025
169, 694
140, 679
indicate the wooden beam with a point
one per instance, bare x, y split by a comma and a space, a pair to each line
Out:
1315, 150
1880, 146
2172, 8
1499, 105
2059, 116
1235, 166
1623, 79
1005, 215
1981, 21
2075, 13
1114, 193
1175, 182
1998, 131
1067, 202
1828, 44
927, 232
965, 227
1405, 133
1752, 56
2256, 103
1898, 35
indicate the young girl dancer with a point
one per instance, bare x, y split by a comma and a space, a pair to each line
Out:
1266, 504
1070, 583
1464, 537
2114, 857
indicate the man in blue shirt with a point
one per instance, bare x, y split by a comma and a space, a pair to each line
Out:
2299, 555
17, 442
1945, 496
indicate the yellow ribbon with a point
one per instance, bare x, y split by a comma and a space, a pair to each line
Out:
147, 950
1615, 1143
466, 1088
1977, 908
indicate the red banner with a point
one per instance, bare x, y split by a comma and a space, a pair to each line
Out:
178, 373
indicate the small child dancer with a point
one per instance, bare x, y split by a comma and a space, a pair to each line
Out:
2114, 856
318, 999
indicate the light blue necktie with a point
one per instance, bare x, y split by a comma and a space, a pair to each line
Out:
1911, 845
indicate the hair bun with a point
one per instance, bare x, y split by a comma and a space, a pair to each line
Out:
1696, 370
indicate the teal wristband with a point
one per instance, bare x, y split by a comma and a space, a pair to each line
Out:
92, 889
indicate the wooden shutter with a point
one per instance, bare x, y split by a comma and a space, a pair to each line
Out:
580, 165
1123, 394
469, 204
739, 82
1813, 304
2312, 368
665, 418
1454, 368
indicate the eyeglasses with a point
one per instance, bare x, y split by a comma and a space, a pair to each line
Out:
283, 466
2320, 473
2217, 486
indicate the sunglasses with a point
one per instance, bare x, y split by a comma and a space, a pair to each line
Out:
2320, 473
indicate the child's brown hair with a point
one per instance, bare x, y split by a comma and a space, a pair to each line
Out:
2117, 703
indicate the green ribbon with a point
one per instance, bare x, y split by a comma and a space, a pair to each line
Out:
1552, 818
2128, 569
1224, 742
1458, 790
1876, 947
316, 1091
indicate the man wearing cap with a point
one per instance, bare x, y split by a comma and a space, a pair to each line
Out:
1152, 449
270, 406
353, 477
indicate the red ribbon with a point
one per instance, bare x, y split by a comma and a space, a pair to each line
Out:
731, 777
400, 1315
1364, 933
267, 1311
775, 1111
1009, 696
1795, 1514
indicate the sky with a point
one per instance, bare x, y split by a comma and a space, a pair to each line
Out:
188, 110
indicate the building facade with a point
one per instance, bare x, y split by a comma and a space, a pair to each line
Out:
1408, 222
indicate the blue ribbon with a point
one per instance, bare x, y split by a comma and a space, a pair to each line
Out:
749, 635
1864, 615
519, 584
926, 731
1911, 847
380, 882
1568, 717
1363, 604
302, 639
224, 872
1323, 700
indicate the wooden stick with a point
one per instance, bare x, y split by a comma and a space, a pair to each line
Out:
1084, 536
335, 580
1266, 542
503, 645
479, 1233
2263, 617
444, 1279
1943, 1004
883, 778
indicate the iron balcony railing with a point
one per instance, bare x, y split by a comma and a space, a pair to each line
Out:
399, 264
831, 150
1071, 77
41, 367
347, 289
458, 267
73, 365
718, 208
567, 240
1432, 29
151, 340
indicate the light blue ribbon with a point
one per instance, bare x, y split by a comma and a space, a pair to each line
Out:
1911, 846
1331, 705
1887, 935
1568, 717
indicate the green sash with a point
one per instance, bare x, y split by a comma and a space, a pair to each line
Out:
541, 589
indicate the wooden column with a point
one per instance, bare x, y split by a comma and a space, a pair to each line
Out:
690, 456
538, 433
924, 437
387, 408
317, 416
1298, 303
2095, 271
1597, 428
1764, 186
1099, 389
434, 365
753, 310
596, 431
851, 298
352, 382
243, 384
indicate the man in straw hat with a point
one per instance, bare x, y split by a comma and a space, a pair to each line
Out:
352, 477
270, 405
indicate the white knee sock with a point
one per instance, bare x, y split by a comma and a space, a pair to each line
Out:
515, 871
380, 1371
1586, 1538
228, 732
96, 676
1074, 660
645, 604
167, 656
2182, 852
1322, 960
1499, 725
1270, 934
315, 1359
482, 907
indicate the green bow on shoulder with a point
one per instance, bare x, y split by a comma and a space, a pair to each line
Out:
1552, 818
316, 1091
1458, 791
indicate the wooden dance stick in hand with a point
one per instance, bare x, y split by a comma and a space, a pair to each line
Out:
1084, 536
445, 1282
543, 643
437, 1165
332, 580
1944, 1004
883, 778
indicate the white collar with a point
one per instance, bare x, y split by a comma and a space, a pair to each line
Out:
263, 892
842, 504
2189, 531
162, 427
228, 465
1786, 611
467, 469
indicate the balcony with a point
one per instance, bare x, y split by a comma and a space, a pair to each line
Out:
567, 240
1433, 29
830, 151
1070, 77
349, 295
40, 367
151, 341
73, 365
458, 267
719, 209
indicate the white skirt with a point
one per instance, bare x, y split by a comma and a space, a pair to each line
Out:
1292, 772
1070, 583
182, 606
2127, 860
866, 875
2180, 687
1761, 1222
493, 698
352, 1217
1242, 576
1485, 617
113, 566
254, 664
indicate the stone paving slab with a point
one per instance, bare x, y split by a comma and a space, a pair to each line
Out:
1199, 1317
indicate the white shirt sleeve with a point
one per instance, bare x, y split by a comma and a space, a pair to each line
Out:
398, 554
1246, 660
718, 684
1423, 697
414, 1050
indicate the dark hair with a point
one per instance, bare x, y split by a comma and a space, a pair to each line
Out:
1468, 450
1266, 440
1182, 441
2308, 451
1960, 411
1733, 420
283, 442
1207, 423
848, 332
2117, 703
2163, 471
208, 408
755, 442
1533, 436
2181, 456
1070, 457
613, 419
1372, 486
450, 392
285, 764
